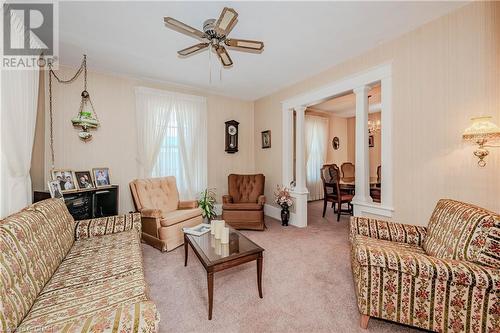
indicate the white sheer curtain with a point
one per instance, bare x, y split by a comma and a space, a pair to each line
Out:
19, 89
172, 138
316, 131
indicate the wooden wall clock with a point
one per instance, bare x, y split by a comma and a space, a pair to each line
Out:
232, 136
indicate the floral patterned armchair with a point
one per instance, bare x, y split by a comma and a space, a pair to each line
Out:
443, 278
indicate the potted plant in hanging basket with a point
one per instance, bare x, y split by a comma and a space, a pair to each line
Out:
283, 198
207, 202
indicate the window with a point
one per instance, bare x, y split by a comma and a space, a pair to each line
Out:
316, 135
172, 130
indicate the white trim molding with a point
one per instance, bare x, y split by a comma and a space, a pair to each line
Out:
336, 88
372, 208
272, 211
359, 83
299, 217
362, 170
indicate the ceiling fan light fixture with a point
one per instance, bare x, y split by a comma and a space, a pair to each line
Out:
245, 44
214, 36
224, 56
182, 27
226, 20
192, 49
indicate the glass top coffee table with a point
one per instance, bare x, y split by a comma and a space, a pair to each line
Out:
216, 257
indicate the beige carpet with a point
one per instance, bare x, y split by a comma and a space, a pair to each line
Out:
307, 284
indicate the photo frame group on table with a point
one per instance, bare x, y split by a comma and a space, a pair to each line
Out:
66, 180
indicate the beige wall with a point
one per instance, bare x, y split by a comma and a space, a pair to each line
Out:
351, 140
114, 143
37, 170
443, 73
338, 128
375, 151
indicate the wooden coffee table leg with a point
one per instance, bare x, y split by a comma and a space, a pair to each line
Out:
185, 250
210, 282
259, 273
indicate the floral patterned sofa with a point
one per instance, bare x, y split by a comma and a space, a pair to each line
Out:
443, 278
58, 275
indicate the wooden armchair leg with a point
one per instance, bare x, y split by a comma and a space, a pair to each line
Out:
363, 322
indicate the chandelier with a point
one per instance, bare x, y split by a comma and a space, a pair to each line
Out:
374, 126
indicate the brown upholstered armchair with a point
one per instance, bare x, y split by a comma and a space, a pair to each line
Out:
163, 215
243, 208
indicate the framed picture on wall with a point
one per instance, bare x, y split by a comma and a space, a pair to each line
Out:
101, 177
84, 180
336, 143
66, 179
266, 139
371, 141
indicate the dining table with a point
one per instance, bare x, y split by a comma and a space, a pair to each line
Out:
349, 183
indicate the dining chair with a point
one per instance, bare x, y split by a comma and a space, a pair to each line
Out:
330, 176
347, 171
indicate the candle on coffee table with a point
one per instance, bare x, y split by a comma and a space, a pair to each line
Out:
212, 227
218, 229
225, 236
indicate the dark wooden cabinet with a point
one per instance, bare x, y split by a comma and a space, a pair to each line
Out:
87, 204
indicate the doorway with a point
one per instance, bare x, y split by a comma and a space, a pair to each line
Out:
360, 85
330, 145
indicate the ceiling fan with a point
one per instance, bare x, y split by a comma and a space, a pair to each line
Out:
214, 36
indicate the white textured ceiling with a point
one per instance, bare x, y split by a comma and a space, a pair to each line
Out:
301, 39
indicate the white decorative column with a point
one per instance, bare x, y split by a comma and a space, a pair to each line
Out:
362, 171
386, 154
299, 219
287, 121
300, 159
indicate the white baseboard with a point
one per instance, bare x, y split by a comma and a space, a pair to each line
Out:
272, 211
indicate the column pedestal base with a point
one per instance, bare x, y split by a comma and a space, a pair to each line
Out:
298, 218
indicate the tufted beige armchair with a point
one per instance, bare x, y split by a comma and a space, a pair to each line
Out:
243, 207
163, 215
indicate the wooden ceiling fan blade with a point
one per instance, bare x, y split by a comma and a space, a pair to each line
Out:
192, 49
226, 21
183, 28
245, 44
224, 56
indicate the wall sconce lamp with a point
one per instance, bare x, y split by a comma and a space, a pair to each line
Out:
480, 132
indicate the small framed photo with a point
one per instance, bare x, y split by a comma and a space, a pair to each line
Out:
84, 180
336, 143
55, 189
266, 139
66, 179
371, 141
101, 177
